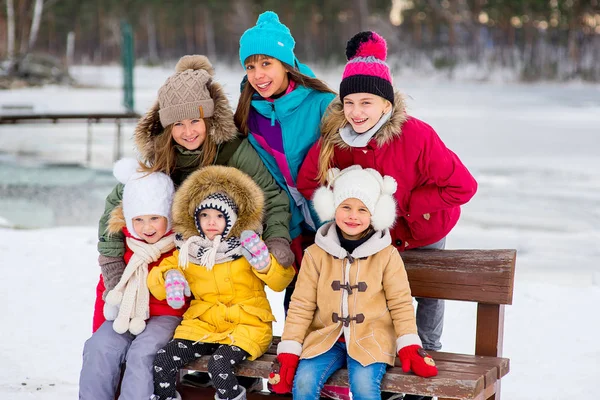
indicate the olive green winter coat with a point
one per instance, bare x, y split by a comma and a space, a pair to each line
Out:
233, 150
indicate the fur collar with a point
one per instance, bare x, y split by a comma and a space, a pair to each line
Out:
388, 132
246, 194
222, 126
116, 221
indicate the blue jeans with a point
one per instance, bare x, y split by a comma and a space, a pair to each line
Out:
430, 313
312, 373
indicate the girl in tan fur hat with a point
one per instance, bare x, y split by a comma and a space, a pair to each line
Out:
221, 259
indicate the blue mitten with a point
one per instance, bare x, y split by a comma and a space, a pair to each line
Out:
255, 250
176, 286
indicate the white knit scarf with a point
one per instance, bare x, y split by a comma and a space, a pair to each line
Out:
205, 252
353, 139
131, 294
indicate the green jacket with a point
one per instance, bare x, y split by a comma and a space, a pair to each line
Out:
233, 150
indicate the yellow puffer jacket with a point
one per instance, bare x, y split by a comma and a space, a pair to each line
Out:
229, 303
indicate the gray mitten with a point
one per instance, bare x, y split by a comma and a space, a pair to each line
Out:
280, 248
112, 269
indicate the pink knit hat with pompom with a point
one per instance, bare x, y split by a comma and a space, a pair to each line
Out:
366, 70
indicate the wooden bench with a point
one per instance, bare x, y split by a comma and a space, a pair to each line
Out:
482, 276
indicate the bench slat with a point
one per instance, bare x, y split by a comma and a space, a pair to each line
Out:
485, 276
453, 362
490, 374
460, 376
503, 364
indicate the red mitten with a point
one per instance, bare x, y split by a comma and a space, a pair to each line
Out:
281, 381
414, 358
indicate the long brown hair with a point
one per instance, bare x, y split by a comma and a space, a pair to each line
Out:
165, 154
243, 107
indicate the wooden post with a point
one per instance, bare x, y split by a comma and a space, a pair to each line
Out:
88, 143
490, 334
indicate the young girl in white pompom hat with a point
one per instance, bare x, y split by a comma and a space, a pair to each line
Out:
352, 304
137, 324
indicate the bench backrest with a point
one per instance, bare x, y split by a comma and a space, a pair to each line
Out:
482, 276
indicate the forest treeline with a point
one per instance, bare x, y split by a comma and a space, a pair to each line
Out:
540, 39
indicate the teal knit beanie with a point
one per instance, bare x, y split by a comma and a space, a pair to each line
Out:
269, 37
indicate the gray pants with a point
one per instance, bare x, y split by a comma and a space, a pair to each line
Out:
430, 313
106, 352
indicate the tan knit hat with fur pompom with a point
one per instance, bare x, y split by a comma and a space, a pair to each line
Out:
185, 94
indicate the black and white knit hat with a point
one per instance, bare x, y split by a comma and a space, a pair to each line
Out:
220, 202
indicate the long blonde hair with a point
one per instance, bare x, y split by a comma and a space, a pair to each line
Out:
165, 154
330, 126
243, 107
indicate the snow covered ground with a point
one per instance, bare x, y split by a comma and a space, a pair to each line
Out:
534, 150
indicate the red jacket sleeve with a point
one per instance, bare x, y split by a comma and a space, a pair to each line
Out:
448, 183
307, 181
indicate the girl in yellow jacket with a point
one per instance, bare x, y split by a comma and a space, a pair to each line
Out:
217, 213
352, 303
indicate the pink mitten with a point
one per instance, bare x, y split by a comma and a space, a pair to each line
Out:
176, 286
255, 250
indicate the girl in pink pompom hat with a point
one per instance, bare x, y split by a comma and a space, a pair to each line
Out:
368, 125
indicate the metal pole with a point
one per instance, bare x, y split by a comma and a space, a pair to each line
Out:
117, 153
128, 61
88, 143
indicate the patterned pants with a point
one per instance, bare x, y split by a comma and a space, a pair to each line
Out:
179, 352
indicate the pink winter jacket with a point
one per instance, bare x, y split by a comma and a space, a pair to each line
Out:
432, 181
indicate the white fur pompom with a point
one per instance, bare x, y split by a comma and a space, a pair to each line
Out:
120, 325
137, 326
385, 213
110, 312
389, 185
324, 204
114, 298
125, 168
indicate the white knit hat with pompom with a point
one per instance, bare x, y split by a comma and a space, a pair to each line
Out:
366, 185
144, 193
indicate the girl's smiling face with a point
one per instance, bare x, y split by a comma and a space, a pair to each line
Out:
353, 218
150, 228
364, 110
189, 133
267, 75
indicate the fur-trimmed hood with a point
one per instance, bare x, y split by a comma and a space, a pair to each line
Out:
116, 222
222, 127
334, 117
245, 193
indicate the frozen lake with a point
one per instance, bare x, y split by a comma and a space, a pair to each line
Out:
534, 149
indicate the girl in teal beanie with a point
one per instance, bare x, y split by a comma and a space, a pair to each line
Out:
280, 110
